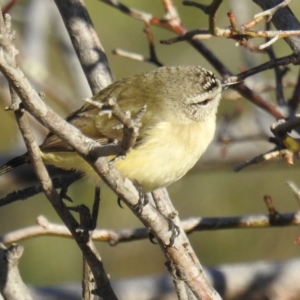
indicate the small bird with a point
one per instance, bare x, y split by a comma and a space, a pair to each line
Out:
177, 126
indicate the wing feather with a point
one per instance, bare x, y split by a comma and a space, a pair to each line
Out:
101, 128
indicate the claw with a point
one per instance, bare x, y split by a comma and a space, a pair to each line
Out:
152, 238
143, 198
175, 232
119, 202
63, 193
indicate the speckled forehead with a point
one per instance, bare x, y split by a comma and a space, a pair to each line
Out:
210, 82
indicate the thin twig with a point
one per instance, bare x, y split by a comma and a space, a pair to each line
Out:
6, 9
279, 74
270, 12
113, 237
295, 190
130, 125
295, 100
204, 34
153, 56
282, 61
210, 10
153, 59
29, 192
179, 29
283, 20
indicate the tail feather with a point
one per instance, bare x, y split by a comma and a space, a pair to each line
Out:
13, 163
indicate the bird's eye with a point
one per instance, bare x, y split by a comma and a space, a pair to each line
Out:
205, 102
202, 103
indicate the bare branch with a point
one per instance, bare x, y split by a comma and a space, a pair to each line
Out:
211, 11
294, 101
275, 153
130, 126
86, 43
26, 193
282, 61
45, 228
175, 25
12, 286
121, 186
89, 251
279, 74
284, 19
295, 190
134, 56
270, 12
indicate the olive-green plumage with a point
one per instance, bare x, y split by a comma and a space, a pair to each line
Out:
177, 127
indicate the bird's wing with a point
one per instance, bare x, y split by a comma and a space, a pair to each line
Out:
101, 128
85, 122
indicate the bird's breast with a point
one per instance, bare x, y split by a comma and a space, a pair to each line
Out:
167, 152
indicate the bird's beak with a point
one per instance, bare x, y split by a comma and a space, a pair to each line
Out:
228, 84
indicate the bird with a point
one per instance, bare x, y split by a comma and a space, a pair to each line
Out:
176, 128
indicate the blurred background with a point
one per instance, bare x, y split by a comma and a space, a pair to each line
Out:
212, 188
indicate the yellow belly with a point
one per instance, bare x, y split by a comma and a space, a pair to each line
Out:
165, 156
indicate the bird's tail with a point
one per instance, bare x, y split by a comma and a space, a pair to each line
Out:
13, 163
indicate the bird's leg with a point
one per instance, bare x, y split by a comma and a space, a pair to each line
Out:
165, 207
143, 197
88, 220
63, 192
173, 228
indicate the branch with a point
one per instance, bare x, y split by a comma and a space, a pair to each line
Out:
286, 145
12, 286
277, 280
270, 12
130, 127
282, 61
174, 24
89, 251
239, 33
86, 43
284, 19
279, 74
113, 237
125, 190
58, 183
152, 53
294, 101
210, 10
